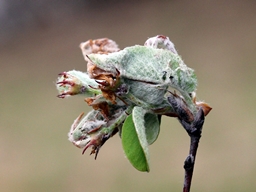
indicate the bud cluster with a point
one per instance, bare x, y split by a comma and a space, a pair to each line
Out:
118, 80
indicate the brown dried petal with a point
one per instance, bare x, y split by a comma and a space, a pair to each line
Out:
103, 45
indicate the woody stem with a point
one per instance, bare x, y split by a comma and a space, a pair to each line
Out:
194, 130
193, 126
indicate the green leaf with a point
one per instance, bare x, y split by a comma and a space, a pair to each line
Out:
135, 145
139, 130
152, 126
148, 122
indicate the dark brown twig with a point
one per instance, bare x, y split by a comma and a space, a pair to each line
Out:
194, 130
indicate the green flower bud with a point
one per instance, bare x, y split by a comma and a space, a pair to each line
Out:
75, 83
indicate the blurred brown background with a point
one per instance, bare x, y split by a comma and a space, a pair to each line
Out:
39, 39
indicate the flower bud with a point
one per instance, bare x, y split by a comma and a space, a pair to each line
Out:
75, 83
95, 129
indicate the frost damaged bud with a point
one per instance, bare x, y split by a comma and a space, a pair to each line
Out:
85, 132
75, 83
103, 45
161, 42
95, 128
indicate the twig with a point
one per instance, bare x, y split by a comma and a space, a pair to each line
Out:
194, 130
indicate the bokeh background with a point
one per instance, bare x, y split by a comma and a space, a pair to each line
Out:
39, 39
